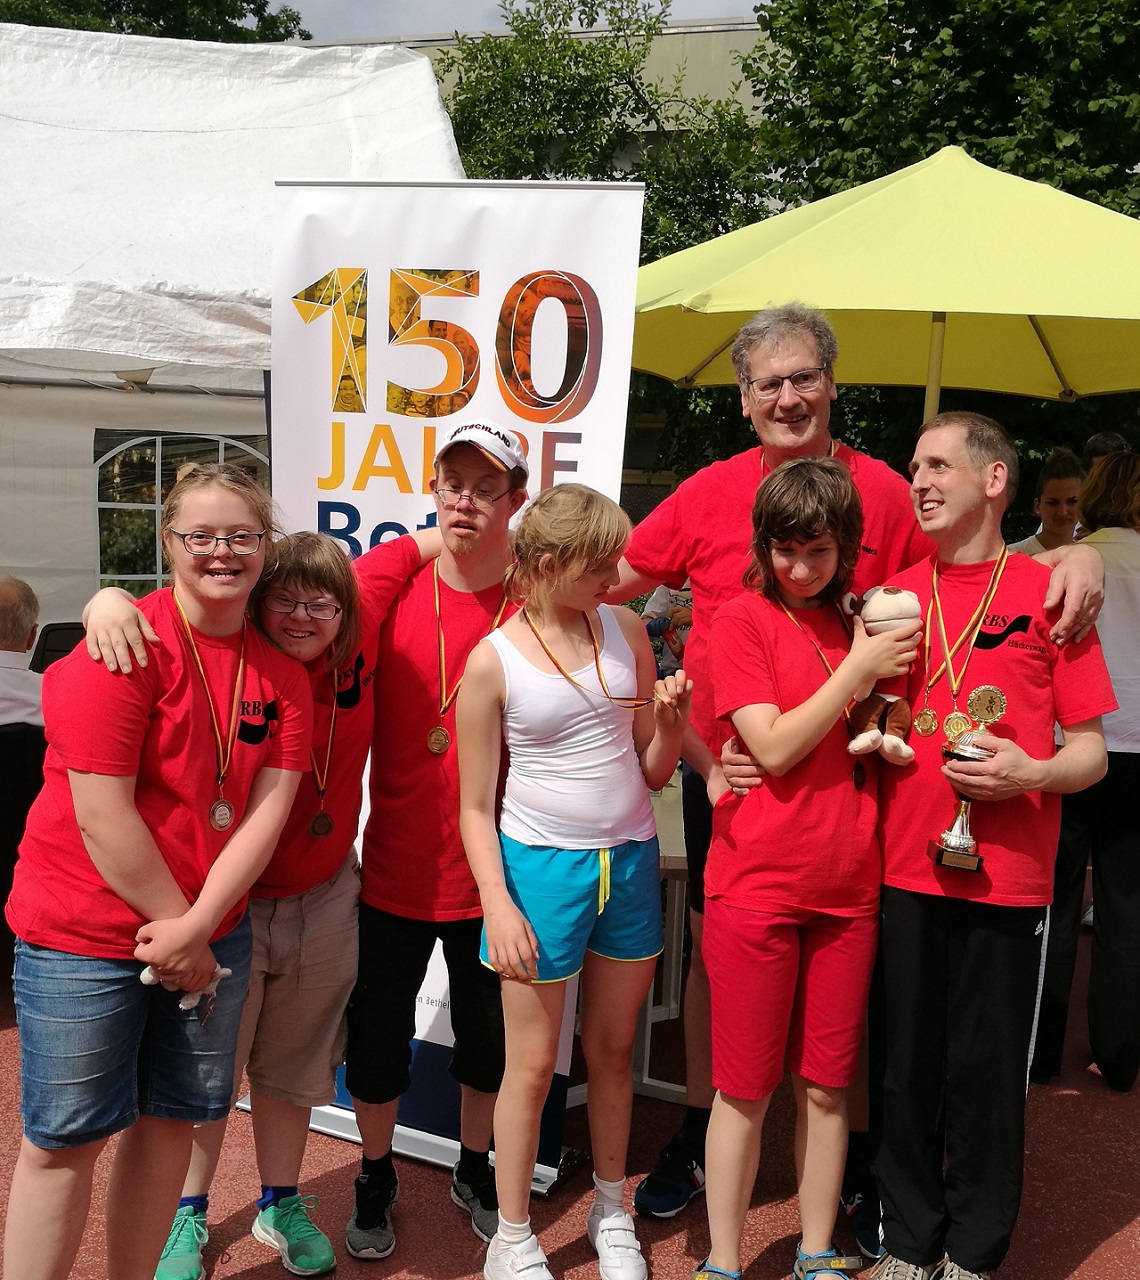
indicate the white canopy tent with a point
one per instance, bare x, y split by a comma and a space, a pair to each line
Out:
135, 242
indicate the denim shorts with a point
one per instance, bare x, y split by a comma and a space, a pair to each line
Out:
98, 1049
607, 901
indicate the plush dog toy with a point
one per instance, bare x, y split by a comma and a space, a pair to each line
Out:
878, 721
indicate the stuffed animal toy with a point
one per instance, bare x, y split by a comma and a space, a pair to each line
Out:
880, 722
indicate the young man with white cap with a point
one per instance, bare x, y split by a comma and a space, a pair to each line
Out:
416, 886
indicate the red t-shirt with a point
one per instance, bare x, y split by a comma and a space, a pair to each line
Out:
301, 861
1017, 838
153, 725
805, 841
703, 532
413, 863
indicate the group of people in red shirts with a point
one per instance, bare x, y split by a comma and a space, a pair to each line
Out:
219, 769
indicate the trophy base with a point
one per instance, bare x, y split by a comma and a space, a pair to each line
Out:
959, 859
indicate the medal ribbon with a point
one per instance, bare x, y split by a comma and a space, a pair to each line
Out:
445, 698
223, 749
630, 704
969, 633
816, 646
320, 780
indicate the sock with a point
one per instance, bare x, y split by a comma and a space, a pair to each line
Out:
274, 1195
513, 1232
610, 1195
694, 1128
473, 1166
198, 1203
380, 1171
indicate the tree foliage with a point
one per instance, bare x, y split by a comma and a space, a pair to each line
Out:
227, 21
850, 90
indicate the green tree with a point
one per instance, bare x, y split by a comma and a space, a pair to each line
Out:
544, 101
228, 21
851, 90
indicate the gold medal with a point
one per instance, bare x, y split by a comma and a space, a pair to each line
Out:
438, 740
986, 704
221, 815
926, 722
956, 724
320, 825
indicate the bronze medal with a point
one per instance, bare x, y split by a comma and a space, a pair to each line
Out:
438, 740
859, 775
320, 825
221, 814
987, 704
956, 724
926, 722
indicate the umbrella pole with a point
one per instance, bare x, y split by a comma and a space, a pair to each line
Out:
934, 364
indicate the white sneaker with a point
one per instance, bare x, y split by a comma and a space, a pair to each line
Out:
524, 1261
616, 1244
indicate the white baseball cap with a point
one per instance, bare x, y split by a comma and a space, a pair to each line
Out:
500, 445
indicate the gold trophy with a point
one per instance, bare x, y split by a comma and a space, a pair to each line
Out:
957, 847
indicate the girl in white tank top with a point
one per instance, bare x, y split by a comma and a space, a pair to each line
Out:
572, 884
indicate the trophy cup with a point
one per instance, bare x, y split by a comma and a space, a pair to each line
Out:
957, 847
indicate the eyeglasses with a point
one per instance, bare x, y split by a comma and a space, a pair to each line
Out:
482, 499
200, 543
803, 380
320, 610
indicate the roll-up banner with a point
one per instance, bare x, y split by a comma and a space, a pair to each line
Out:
402, 309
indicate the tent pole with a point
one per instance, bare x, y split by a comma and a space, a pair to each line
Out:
934, 364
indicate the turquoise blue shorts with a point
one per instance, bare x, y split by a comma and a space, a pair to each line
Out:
607, 901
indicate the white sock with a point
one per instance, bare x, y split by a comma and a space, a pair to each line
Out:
610, 1195
513, 1232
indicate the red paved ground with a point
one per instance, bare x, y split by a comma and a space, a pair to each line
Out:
1080, 1217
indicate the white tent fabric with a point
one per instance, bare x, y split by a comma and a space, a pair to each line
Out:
135, 225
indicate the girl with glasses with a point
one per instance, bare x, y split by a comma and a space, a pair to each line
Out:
163, 798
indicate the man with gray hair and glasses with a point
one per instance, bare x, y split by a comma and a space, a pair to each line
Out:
21, 731
784, 359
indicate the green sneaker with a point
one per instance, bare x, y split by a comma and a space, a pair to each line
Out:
182, 1257
286, 1226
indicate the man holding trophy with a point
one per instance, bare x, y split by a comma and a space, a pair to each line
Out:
969, 834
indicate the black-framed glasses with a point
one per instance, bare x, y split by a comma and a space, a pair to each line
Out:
200, 543
483, 499
319, 610
803, 381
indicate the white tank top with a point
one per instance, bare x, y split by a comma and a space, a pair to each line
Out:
574, 780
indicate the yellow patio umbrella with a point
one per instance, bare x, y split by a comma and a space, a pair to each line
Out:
944, 274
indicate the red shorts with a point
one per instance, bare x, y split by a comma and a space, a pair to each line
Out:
789, 985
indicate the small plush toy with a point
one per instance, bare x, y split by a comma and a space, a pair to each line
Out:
878, 721
190, 999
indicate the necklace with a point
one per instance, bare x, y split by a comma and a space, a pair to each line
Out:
222, 812
439, 739
630, 704
321, 823
858, 770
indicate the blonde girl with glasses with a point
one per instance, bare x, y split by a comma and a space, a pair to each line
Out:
568, 879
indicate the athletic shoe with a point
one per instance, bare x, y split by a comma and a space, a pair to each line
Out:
952, 1271
182, 1257
676, 1178
891, 1268
479, 1199
369, 1232
866, 1221
615, 1242
524, 1261
286, 1226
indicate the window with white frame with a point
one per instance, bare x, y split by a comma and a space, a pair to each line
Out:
134, 475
